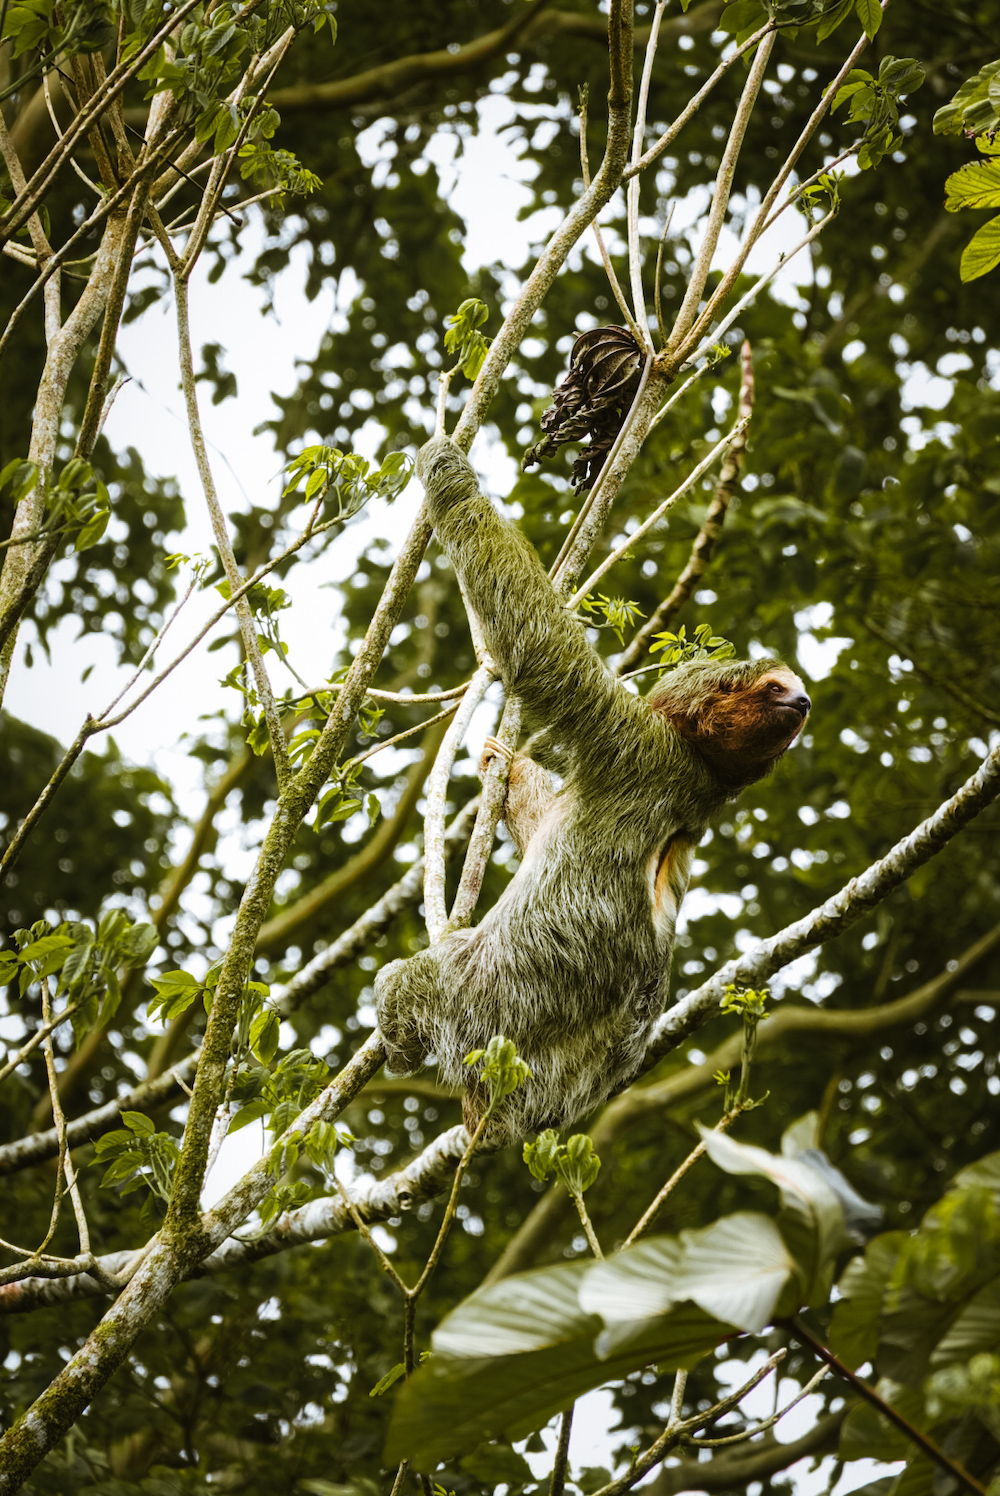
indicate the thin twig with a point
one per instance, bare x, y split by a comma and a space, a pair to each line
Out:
758, 286
491, 804
649, 1216
400, 736
735, 268
761, 1428
681, 332
657, 514
888, 1412
359, 1221
616, 289
244, 616
37, 1037
704, 544
677, 1399
588, 1227
661, 331
560, 1464
668, 137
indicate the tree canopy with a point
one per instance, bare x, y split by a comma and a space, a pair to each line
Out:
853, 532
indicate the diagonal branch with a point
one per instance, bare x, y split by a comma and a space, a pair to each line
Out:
856, 899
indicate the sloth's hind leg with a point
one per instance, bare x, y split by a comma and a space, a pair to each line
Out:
406, 997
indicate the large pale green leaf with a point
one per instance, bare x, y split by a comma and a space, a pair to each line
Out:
803, 1189
632, 1288
982, 253
529, 1312
985, 1172
454, 1403
736, 1269
544, 1356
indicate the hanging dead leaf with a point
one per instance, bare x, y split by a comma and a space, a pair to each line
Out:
592, 401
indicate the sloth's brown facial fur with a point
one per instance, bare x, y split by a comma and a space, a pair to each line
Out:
742, 730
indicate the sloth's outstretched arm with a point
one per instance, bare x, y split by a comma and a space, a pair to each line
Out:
542, 653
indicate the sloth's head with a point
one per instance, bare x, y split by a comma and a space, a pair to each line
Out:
740, 716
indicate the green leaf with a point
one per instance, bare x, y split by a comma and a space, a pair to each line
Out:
982, 253
520, 1351
833, 19
975, 185
579, 1165
803, 1189
391, 1377
497, 1464
742, 15
541, 1155
976, 1328
250, 1113
869, 13
93, 530
735, 1270
137, 945
264, 1032
856, 1323
971, 107
138, 1123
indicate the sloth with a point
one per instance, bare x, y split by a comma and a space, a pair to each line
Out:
573, 961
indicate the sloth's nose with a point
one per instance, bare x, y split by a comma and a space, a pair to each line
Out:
801, 703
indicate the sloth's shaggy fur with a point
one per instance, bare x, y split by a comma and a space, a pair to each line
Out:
572, 963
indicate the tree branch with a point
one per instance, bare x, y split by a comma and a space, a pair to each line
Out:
856, 899
704, 545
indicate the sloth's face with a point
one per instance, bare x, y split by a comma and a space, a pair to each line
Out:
743, 729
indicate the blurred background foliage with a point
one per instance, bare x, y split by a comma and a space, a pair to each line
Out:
864, 547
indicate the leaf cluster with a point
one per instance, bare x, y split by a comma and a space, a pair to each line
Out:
874, 102
85, 962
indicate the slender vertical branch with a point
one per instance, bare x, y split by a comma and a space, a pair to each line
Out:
484, 831
668, 137
609, 269
435, 905
734, 270
720, 198
561, 1463
632, 191
645, 1222
704, 545
588, 524
657, 514
677, 1399
245, 618
588, 1227
39, 239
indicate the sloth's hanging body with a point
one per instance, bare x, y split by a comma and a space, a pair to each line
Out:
573, 961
